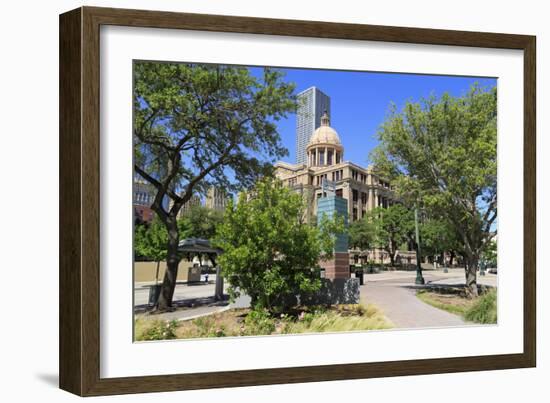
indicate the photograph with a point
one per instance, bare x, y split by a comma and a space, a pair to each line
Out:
273, 201
266, 202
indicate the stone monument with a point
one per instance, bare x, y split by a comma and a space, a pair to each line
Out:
329, 205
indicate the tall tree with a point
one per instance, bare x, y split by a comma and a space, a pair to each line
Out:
201, 125
489, 254
392, 227
269, 250
201, 222
438, 235
150, 242
361, 234
441, 153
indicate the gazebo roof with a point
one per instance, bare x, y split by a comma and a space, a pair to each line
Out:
197, 245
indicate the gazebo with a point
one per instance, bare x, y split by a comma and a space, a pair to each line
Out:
192, 247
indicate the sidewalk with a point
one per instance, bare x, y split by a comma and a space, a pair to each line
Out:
190, 300
399, 303
454, 276
395, 293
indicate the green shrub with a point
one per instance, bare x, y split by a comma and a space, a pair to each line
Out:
259, 322
484, 310
155, 330
269, 253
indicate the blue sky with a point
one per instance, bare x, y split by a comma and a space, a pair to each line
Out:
360, 102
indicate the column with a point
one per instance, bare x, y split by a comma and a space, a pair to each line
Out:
370, 201
350, 203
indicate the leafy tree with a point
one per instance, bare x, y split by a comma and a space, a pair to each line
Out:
437, 236
442, 153
201, 125
489, 254
269, 251
201, 222
392, 227
362, 234
150, 242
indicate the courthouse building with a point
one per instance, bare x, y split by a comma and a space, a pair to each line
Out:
363, 189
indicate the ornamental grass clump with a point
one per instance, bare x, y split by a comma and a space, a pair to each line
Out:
484, 310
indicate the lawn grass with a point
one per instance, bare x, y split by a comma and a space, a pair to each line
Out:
482, 309
245, 322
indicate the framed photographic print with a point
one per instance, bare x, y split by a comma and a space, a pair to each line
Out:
249, 201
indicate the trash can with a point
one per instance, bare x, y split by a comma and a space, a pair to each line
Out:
359, 275
154, 293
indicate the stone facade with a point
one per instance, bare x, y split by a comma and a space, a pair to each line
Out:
360, 186
217, 199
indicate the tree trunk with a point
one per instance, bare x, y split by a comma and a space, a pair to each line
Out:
391, 251
471, 275
451, 258
164, 302
392, 259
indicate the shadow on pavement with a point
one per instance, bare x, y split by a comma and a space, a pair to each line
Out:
443, 288
188, 303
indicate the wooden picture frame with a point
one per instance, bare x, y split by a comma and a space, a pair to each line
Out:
79, 347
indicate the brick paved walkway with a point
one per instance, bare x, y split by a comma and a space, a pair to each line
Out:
396, 297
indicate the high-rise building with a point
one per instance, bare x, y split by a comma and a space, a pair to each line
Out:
312, 103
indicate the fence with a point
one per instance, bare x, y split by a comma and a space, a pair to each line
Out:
146, 271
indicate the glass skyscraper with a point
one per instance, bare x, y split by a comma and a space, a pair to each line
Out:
312, 103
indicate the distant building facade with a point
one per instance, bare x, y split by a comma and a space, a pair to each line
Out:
143, 197
217, 199
144, 192
195, 200
311, 105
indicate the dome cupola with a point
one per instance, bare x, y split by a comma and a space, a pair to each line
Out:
324, 147
324, 134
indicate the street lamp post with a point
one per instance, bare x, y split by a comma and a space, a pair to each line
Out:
419, 278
